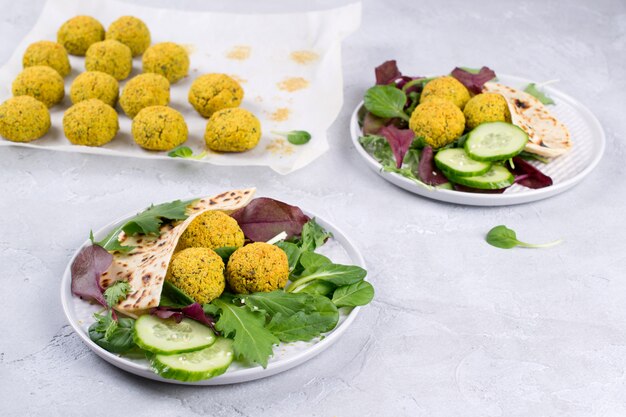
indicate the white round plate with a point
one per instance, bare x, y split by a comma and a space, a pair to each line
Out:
588, 143
286, 356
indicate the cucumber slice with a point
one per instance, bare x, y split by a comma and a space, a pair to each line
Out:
495, 141
168, 337
497, 177
456, 162
198, 365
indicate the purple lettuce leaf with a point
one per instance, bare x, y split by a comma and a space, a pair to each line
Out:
167, 313
91, 262
428, 171
372, 124
399, 139
264, 218
529, 176
473, 82
387, 72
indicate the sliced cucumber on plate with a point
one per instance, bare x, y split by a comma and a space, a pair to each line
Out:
195, 366
495, 141
455, 161
167, 337
494, 179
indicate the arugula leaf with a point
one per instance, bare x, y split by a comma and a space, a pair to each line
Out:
112, 244
185, 152
296, 137
358, 294
172, 296
251, 340
538, 94
504, 238
386, 101
117, 292
113, 336
313, 235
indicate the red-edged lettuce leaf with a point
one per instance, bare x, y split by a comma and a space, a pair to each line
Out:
399, 139
263, 218
465, 189
529, 176
193, 311
372, 124
167, 313
473, 82
90, 263
428, 171
387, 72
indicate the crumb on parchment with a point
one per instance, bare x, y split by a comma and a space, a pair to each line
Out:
293, 84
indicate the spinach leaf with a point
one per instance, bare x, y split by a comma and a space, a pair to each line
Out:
172, 296
317, 288
225, 251
293, 253
358, 294
335, 274
313, 236
386, 101
185, 152
295, 137
505, 238
111, 335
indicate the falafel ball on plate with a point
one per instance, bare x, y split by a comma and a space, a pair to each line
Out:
78, 33
110, 56
232, 130
168, 59
40, 82
447, 88
486, 107
211, 229
198, 272
90, 123
132, 32
143, 91
49, 54
23, 119
212, 92
95, 84
438, 121
257, 267
159, 128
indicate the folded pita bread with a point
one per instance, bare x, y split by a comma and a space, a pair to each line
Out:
547, 136
145, 266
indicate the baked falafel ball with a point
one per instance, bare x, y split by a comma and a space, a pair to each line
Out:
159, 128
132, 32
486, 107
143, 91
212, 229
90, 123
95, 84
110, 56
199, 273
23, 119
49, 54
257, 267
232, 130
212, 92
168, 59
78, 33
438, 121
40, 82
447, 88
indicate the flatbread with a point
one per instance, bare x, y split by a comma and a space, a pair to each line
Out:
547, 136
145, 266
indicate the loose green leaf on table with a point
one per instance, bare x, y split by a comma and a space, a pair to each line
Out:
538, 94
386, 101
505, 238
295, 137
185, 152
116, 292
358, 294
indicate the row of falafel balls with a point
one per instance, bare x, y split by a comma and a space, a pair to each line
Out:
92, 119
198, 271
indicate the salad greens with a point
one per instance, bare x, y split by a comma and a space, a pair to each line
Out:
505, 238
185, 152
386, 101
534, 91
116, 292
113, 335
295, 137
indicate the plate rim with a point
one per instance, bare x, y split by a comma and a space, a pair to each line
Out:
477, 199
238, 376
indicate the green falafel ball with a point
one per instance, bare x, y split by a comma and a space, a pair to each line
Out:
132, 32
486, 107
95, 84
40, 82
212, 229
168, 59
212, 92
143, 91
78, 33
232, 130
159, 128
110, 56
199, 273
49, 54
23, 119
438, 121
90, 123
257, 267
447, 88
